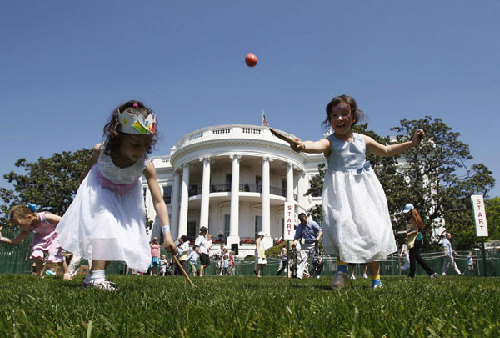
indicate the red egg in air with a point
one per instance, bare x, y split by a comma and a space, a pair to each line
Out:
251, 60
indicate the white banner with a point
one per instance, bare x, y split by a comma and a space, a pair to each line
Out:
480, 215
288, 230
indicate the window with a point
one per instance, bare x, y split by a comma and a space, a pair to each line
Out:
258, 183
258, 224
192, 190
283, 187
167, 193
229, 181
227, 221
191, 230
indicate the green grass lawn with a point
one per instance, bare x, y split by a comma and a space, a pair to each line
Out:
247, 306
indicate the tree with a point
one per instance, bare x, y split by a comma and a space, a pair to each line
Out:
493, 216
49, 182
441, 180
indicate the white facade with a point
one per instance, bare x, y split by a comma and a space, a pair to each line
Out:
233, 179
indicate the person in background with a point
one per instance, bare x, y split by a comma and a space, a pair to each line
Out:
155, 257
470, 264
203, 245
404, 256
182, 253
449, 253
414, 239
260, 254
309, 233
163, 265
283, 257
193, 259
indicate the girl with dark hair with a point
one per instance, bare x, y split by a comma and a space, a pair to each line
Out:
414, 238
106, 221
357, 226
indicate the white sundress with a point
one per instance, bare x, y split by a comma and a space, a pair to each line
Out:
356, 223
106, 220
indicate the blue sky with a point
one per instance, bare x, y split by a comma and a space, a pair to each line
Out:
65, 65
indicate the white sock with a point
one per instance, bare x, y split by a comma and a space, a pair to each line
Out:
98, 276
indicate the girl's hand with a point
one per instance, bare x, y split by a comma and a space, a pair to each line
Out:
417, 137
299, 146
170, 247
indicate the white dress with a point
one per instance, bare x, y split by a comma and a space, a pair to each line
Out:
357, 227
106, 220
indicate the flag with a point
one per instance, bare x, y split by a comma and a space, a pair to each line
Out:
264, 121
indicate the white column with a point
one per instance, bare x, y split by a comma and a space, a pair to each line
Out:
289, 182
184, 201
205, 191
234, 236
174, 204
266, 203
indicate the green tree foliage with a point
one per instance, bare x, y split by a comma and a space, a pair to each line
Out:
493, 217
435, 177
441, 180
48, 182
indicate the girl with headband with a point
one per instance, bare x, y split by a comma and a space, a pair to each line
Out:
106, 221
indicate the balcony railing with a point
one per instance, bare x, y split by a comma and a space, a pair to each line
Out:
196, 190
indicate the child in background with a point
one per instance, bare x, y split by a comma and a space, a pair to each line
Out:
357, 225
405, 257
231, 263
449, 254
155, 256
106, 221
470, 264
45, 240
283, 257
183, 251
193, 258
352, 276
225, 266
163, 265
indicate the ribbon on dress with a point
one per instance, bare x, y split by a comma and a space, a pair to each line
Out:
121, 189
366, 167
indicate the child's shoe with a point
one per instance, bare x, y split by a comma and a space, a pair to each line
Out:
67, 276
376, 284
352, 277
365, 276
338, 282
434, 275
103, 285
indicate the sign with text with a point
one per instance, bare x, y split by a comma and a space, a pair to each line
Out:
288, 230
479, 215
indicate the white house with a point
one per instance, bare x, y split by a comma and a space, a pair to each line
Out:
234, 179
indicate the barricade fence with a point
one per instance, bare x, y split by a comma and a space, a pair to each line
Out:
16, 259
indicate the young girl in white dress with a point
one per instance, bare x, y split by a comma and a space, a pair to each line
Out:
106, 220
357, 227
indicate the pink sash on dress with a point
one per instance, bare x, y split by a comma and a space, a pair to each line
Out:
118, 188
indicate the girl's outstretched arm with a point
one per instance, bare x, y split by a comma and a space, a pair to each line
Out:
160, 206
313, 147
92, 160
378, 149
16, 240
52, 218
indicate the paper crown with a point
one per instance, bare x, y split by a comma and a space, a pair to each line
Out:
137, 123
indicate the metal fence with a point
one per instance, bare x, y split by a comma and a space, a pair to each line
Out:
15, 259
